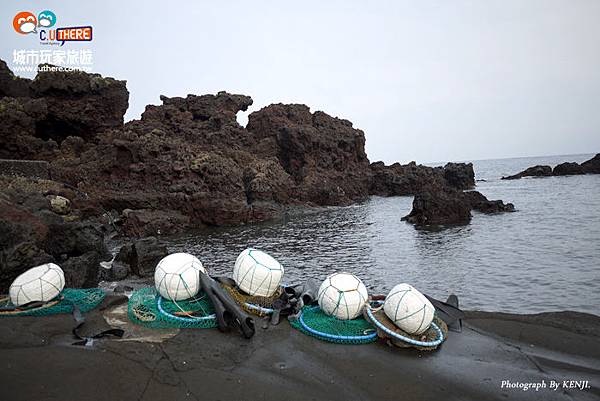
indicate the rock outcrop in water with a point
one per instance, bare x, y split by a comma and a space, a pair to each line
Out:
568, 168
409, 179
186, 163
591, 166
441, 205
438, 206
535, 171
480, 203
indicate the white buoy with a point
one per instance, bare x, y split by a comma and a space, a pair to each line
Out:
177, 276
408, 309
40, 283
257, 273
342, 295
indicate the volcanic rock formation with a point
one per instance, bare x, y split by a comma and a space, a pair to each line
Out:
38, 115
323, 155
442, 205
32, 233
437, 206
535, 171
591, 166
186, 163
409, 179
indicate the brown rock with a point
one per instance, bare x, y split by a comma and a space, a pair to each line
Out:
568, 168
535, 171
443, 205
482, 204
188, 163
439, 206
79, 104
592, 166
324, 155
11, 85
145, 222
30, 234
139, 257
40, 114
409, 179
460, 175
266, 180
19, 137
59, 204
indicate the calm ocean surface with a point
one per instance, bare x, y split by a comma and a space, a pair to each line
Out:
544, 257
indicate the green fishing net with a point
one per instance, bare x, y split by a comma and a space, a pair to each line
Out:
147, 308
85, 299
314, 322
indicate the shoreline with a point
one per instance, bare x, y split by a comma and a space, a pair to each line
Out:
283, 363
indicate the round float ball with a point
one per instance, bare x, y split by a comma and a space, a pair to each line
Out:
342, 295
177, 276
257, 273
408, 309
40, 283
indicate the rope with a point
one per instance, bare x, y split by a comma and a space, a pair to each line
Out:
183, 319
143, 315
267, 311
333, 336
409, 340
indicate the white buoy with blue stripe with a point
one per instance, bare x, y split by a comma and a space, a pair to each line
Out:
409, 309
257, 273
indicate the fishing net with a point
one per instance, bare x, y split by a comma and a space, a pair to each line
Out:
387, 330
259, 306
147, 308
85, 299
314, 322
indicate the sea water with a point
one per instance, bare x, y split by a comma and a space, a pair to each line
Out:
544, 257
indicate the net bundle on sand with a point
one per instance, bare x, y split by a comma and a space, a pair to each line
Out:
430, 340
147, 308
85, 299
258, 306
314, 322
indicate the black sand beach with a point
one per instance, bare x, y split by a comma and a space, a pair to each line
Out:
39, 362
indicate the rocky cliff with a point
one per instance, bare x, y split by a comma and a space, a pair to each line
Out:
186, 163
38, 115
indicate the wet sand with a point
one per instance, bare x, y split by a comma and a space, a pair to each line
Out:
39, 362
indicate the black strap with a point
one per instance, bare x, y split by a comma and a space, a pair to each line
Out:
85, 340
449, 312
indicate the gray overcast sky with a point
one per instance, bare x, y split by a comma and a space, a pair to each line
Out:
426, 80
